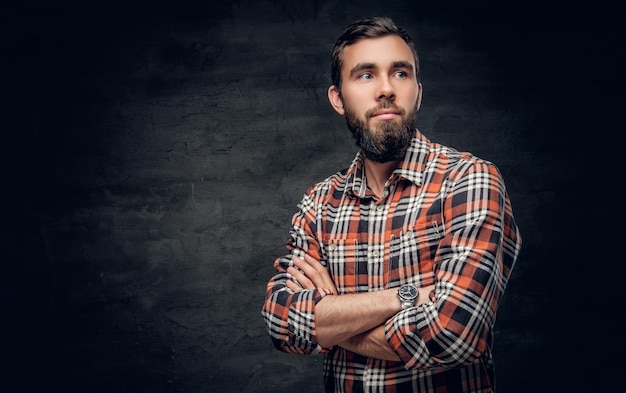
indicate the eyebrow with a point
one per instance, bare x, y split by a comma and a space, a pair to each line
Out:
371, 66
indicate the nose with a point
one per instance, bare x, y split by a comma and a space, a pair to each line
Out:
385, 90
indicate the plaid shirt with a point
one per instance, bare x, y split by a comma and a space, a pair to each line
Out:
445, 218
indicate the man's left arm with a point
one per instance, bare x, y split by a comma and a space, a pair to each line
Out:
473, 262
373, 343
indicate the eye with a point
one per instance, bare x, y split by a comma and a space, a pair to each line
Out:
365, 76
400, 74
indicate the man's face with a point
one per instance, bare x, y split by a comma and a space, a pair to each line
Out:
379, 96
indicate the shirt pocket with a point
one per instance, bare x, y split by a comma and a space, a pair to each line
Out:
412, 252
347, 264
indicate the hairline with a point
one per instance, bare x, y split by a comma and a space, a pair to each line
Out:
343, 42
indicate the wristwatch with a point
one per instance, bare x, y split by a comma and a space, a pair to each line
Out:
408, 295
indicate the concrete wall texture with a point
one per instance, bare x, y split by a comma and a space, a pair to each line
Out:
155, 152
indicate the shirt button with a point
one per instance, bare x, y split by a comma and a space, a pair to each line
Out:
332, 246
375, 253
379, 208
408, 235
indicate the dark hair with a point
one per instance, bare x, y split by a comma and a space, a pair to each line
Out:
367, 28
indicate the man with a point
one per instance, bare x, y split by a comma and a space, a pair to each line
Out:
395, 266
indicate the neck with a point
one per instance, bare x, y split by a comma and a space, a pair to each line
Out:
377, 174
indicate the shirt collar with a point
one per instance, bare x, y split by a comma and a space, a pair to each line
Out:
410, 168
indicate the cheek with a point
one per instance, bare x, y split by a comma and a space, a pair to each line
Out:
352, 107
356, 96
411, 93
363, 109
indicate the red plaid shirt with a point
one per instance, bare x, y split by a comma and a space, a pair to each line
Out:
445, 219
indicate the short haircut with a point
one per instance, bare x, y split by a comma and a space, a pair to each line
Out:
367, 28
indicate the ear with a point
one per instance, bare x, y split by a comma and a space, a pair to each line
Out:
419, 97
335, 100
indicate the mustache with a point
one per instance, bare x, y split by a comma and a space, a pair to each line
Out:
383, 106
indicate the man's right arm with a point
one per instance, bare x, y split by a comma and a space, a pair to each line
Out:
339, 318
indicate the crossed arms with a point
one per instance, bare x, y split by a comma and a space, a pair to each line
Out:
470, 267
352, 321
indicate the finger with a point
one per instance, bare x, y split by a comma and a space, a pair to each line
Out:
316, 265
306, 266
425, 292
301, 278
320, 270
294, 286
314, 271
328, 291
325, 279
312, 261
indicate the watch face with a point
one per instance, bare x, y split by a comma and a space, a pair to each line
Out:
407, 292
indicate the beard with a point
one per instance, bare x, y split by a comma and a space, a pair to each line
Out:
390, 140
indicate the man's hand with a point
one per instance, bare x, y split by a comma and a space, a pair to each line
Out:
310, 274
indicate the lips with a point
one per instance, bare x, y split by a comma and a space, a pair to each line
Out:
386, 114
385, 111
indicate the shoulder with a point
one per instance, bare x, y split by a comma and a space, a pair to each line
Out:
331, 186
431, 161
459, 164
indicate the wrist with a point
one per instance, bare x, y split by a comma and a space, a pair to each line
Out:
408, 295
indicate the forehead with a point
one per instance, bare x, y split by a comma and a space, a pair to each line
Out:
379, 51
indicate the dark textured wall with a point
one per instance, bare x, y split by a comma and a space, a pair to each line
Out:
153, 155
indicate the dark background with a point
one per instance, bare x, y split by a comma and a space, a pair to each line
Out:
153, 154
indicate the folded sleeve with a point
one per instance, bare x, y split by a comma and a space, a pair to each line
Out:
290, 315
472, 266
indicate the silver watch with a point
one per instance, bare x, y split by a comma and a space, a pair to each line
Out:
408, 295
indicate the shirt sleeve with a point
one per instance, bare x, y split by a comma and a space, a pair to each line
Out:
472, 266
290, 316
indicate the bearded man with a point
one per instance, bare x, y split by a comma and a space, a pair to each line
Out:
395, 266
